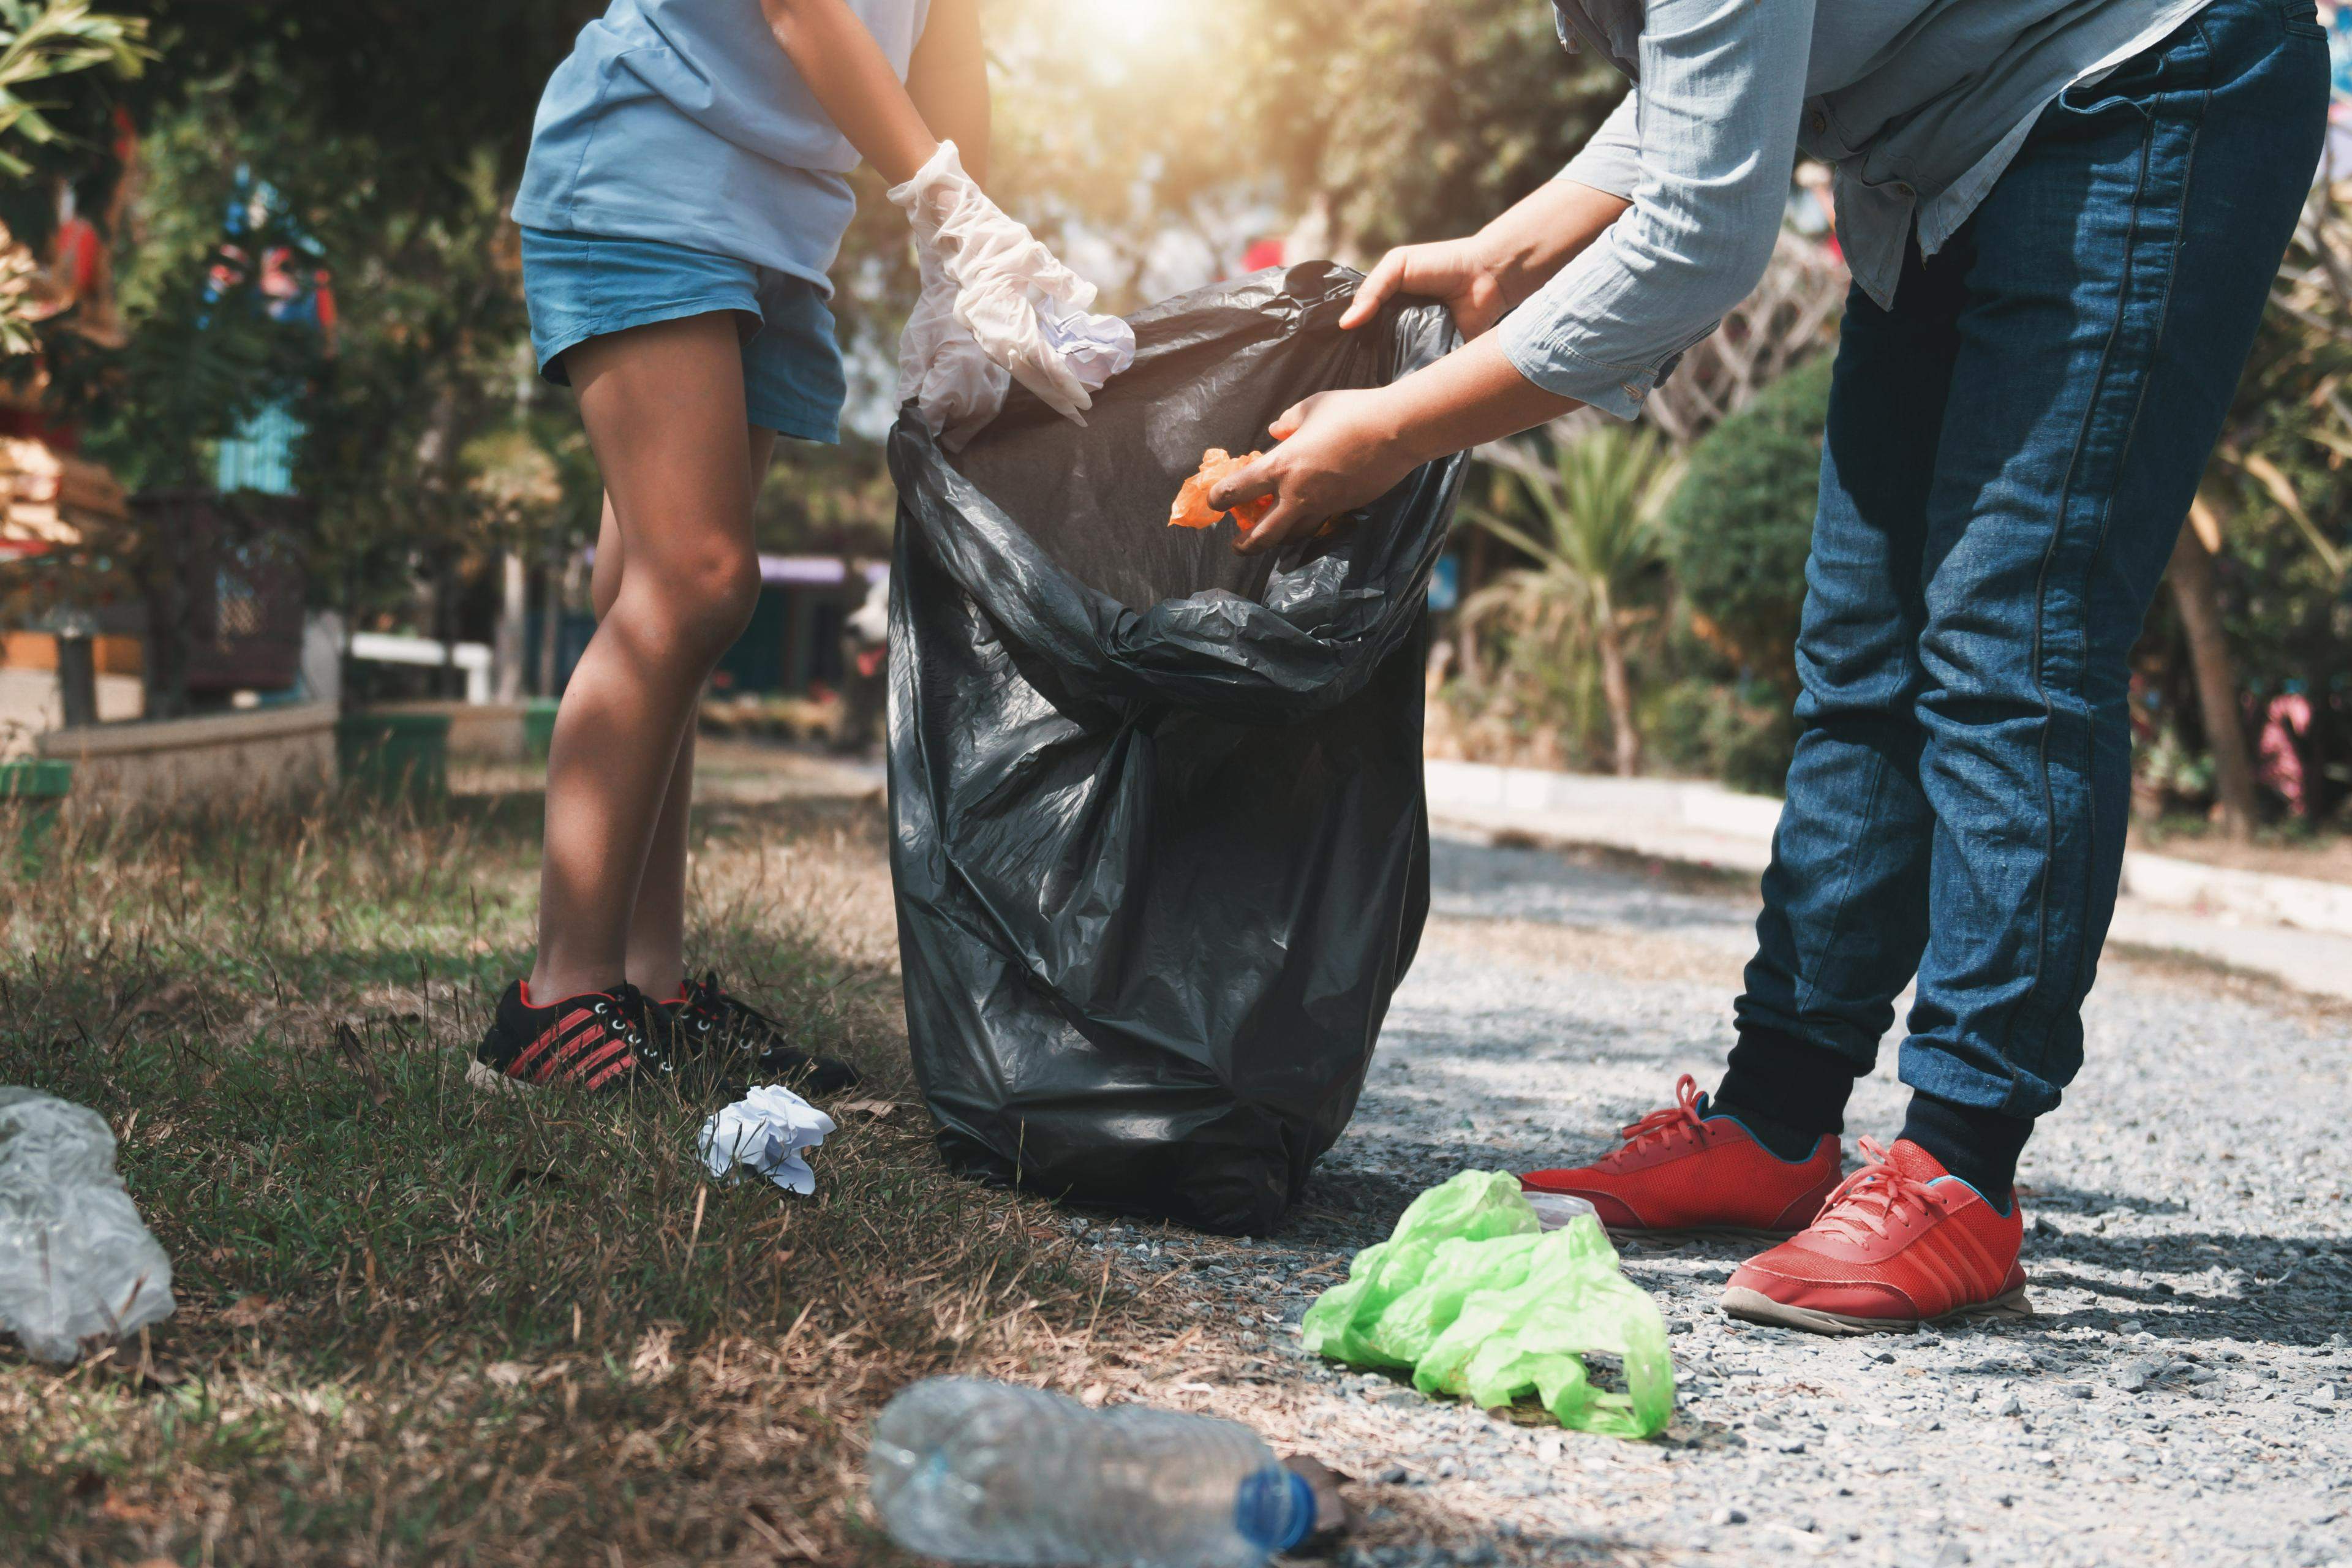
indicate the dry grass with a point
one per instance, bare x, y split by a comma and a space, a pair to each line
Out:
421, 1325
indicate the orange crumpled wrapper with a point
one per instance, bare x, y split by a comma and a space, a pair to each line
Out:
1193, 509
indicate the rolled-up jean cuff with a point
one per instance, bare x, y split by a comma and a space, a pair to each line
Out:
1564, 374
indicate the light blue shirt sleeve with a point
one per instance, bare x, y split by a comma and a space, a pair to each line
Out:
1712, 135
1611, 162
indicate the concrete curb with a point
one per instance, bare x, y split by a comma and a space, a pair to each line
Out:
1710, 824
2257, 896
234, 761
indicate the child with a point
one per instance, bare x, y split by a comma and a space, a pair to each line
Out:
685, 194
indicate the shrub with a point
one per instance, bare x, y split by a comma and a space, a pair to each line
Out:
1717, 730
1737, 530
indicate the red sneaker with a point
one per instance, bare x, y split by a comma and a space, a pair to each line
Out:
1682, 1170
1902, 1243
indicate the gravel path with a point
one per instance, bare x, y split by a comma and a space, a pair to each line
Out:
2183, 1395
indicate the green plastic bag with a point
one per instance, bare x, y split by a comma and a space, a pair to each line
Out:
1481, 1302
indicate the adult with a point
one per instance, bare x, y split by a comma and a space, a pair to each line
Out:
2063, 218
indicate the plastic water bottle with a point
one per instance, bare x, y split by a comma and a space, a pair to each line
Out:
1557, 1211
985, 1472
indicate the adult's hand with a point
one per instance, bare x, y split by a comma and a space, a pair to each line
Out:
1339, 450
1464, 275
1484, 277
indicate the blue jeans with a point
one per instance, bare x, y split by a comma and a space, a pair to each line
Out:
2011, 450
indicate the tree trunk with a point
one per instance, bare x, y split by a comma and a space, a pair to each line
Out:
1617, 689
163, 573
2194, 596
1474, 577
437, 456
348, 618
551, 614
77, 678
514, 606
565, 589
444, 626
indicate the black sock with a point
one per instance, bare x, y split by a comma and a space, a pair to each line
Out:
1789, 1092
1981, 1147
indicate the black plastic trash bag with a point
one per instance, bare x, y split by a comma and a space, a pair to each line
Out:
1161, 849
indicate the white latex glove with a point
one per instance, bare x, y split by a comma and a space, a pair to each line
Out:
1026, 310
943, 369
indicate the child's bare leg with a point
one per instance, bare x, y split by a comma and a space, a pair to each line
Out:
656, 957
664, 407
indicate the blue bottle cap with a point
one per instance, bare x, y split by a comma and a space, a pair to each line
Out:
1275, 1509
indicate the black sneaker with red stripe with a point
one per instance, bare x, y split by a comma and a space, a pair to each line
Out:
604, 1042
714, 1027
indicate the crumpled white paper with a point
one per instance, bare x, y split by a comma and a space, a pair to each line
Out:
765, 1132
989, 287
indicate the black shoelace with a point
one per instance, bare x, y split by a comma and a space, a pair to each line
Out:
629, 1014
717, 1018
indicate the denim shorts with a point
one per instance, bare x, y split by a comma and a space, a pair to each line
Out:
582, 285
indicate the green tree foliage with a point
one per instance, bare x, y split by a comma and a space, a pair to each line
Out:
1395, 119
202, 353
1419, 119
1736, 535
827, 500
434, 86
1716, 725
428, 367
433, 358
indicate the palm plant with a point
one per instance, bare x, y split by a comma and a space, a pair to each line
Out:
40, 41
1599, 500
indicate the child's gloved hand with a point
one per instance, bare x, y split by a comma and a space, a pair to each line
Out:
943, 369
1025, 309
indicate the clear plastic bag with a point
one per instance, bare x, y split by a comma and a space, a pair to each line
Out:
76, 1263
